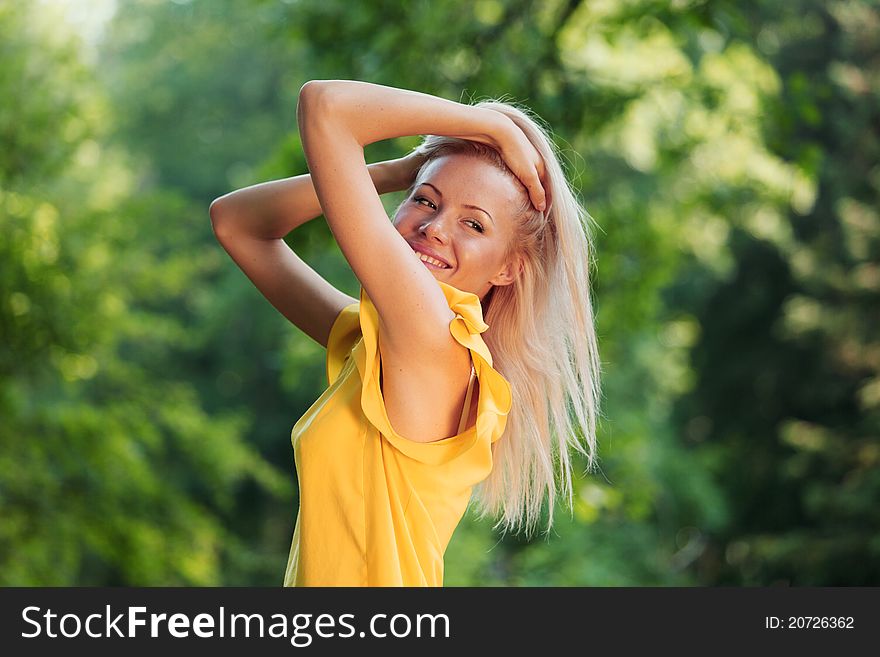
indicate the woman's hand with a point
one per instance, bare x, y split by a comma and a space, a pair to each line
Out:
368, 112
522, 158
401, 172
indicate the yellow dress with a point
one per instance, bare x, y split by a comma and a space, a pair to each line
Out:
376, 508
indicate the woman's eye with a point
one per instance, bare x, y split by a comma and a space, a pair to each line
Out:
419, 199
476, 224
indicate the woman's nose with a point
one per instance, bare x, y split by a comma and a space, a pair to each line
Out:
434, 228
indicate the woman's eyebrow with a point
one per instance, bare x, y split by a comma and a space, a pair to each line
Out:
465, 205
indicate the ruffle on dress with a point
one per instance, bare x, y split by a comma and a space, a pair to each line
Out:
355, 333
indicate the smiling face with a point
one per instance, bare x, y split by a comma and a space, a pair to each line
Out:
459, 217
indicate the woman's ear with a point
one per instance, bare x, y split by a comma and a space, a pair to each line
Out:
512, 268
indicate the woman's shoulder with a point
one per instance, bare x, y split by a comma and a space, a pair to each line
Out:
421, 401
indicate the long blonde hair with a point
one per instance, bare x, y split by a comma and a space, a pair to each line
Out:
542, 338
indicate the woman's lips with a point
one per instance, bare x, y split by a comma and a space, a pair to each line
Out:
430, 261
433, 266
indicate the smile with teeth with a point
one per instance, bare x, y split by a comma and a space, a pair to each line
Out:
431, 261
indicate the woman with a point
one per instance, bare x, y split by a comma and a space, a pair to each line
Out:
470, 358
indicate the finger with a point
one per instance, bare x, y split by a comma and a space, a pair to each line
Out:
537, 194
530, 177
548, 193
541, 173
534, 189
542, 167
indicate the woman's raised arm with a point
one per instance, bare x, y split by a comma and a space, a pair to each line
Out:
337, 118
271, 210
250, 224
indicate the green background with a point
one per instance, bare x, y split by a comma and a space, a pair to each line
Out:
729, 151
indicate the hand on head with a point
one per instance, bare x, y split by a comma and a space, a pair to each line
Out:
405, 169
525, 161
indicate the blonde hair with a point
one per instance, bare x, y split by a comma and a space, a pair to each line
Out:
542, 338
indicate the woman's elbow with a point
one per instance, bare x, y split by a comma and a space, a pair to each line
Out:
313, 90
219, 213
314, 100
310, 88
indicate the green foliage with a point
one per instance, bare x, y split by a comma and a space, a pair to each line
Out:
799, 441
111, 471
38, 131
728, 151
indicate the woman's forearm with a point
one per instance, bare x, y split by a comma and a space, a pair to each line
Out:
352, 114
373, 112
270, 210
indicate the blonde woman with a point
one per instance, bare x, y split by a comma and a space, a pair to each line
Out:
469, 362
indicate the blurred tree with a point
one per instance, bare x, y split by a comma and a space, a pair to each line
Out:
207, 103
665, 108
786, 411
110, 470
728, 150
654, 96
201, 95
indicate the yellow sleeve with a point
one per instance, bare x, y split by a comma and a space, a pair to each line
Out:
494, 397
344, 334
